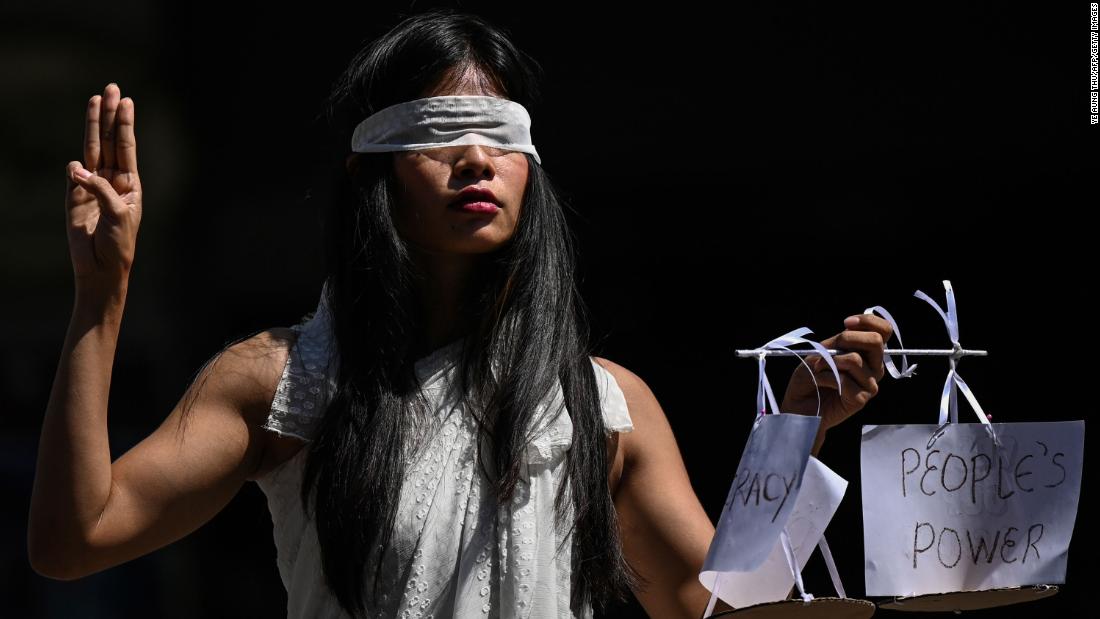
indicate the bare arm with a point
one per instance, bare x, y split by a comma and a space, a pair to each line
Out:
87, 513
73, 473
665, 530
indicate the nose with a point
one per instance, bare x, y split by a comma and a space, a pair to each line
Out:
474, 161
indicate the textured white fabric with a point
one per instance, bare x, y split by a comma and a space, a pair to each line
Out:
446, 120
454, 553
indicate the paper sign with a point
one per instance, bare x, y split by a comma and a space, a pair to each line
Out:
763, 493
821, 492
964, 515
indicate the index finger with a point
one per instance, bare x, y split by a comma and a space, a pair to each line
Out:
91, 134
871, 322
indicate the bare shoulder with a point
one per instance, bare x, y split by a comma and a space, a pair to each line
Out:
262, 358
645, 411
623, 376
255, 365
640, 400
248, 372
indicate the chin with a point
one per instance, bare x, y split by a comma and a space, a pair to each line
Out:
470, 245
478, 247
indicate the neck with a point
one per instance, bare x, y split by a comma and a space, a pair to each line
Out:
442, 290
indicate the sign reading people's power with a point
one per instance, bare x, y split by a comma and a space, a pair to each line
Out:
962, 514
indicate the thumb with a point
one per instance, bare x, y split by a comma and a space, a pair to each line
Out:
98, 186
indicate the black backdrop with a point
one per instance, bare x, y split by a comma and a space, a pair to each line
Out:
759, 168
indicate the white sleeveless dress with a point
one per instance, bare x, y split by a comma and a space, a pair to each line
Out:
453, 552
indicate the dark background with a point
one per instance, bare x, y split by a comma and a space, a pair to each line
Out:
760, 168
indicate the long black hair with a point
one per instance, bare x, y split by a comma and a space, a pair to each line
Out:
523, 315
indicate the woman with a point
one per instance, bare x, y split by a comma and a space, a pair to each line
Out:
410, 433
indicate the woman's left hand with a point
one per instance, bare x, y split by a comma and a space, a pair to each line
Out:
860, 371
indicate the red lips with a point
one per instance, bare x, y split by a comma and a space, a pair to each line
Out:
475, 194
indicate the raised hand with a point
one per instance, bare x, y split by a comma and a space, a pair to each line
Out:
103, 196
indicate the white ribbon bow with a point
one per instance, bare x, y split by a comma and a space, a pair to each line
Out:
949, 406
907, 371
765, 389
